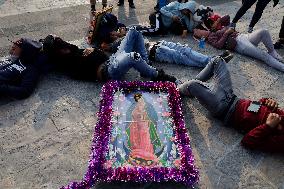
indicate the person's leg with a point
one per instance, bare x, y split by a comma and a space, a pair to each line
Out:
139, 45
120, 2
93, 5
281, 33
122, 62
154, 28
218, 71
260, 6
245, 6
130, 1
104, 3
203, 94
262, 35
180, 54
280, 42
128, 43
215, 97
131, 4
244, 46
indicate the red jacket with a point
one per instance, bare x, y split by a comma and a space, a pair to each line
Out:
221, 40
258, 134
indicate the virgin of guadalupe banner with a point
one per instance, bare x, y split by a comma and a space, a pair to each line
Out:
140, 136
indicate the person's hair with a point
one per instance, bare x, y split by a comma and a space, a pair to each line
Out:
53, 44
177, 28
137, 96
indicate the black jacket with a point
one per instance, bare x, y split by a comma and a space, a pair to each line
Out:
19, 77
75, 64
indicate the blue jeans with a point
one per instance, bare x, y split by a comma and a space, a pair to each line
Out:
131, 54
180, 54
216, 95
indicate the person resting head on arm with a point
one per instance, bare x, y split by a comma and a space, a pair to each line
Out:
261, 121
246, 44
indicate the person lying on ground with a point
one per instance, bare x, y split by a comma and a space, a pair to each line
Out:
93, 64
214, 22
178, 17
20, 71
228, 38
261, 121
163, 51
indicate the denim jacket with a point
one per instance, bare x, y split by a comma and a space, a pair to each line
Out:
173, 9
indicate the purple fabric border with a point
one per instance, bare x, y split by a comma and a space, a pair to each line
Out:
186, 174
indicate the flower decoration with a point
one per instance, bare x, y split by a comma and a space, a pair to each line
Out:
101, 169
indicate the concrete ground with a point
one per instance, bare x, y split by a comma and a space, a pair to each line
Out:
45, 140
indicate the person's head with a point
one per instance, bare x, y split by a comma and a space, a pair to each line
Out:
201, 33
54, 45
187, 8
114, 35
26, 49
16, 48
185, 12
140, 101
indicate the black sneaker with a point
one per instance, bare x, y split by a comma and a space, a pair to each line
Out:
227, 56
162, 76
93, 8
279, 44
132, 6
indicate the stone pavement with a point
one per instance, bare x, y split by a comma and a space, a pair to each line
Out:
45, 140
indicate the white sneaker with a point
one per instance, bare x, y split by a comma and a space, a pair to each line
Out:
277, 56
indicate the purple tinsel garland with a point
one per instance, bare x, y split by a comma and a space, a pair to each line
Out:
186, 174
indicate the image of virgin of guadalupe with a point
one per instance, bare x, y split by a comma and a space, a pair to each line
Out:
143, 139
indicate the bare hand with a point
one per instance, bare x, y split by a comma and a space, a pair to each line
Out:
122, 31
184, 34
230, 30
273, 120
105, 46
176, 19
272, 104
88, 51
214, 25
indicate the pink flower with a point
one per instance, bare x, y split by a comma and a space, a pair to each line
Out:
166, 114
177, 163
108, 164
116, 113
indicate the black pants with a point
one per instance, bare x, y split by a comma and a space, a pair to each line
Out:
129, 1
260, 6
281, 33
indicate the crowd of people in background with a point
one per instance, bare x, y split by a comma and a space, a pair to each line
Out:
123, 47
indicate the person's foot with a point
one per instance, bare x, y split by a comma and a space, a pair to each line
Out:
279, 44
162, 76
120, 4
151, 48
277, 56
156, 8
132, 6
93, 8
250, 29
227, 56
149, 45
